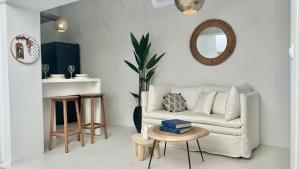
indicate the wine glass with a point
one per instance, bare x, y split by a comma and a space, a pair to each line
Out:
71, 69
45, 68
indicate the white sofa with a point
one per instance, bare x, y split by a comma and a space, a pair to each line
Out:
235, 138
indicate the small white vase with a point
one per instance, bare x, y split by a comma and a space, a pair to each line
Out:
145, 132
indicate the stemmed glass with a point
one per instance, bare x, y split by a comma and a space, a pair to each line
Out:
45, 68
71, 69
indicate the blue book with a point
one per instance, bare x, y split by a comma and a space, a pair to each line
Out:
176, 123
176, 131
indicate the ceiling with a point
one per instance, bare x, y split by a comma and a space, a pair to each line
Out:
40, 5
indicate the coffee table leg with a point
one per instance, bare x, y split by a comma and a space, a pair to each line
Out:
200, 150
188, 152
165, 148
151, 153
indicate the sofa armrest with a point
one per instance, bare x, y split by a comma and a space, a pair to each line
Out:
250, 118
144, 101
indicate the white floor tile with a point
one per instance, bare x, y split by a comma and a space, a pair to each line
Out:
116, 153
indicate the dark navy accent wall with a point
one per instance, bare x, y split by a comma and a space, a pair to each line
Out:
59, 55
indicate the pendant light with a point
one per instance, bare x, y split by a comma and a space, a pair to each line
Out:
61, 25
189, 7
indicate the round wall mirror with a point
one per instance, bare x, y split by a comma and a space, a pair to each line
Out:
212, 42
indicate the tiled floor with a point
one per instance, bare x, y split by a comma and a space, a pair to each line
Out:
116, 153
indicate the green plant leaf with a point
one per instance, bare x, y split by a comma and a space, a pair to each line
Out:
145, 55
142, 39
153, 61
150, 74
147, 37
146, 52
137, 59
144, 42
136, 45
132, 66
135, 95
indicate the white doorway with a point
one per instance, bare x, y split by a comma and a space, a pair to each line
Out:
295, 86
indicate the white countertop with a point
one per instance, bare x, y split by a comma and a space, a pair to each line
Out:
45, 81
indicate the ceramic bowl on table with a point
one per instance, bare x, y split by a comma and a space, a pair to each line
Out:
82, 76
57, 76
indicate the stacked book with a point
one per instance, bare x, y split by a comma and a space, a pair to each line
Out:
176, 126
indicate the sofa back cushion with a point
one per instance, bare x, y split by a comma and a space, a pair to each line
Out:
190, 93
220, 103
155, 97
243, 88
205, 102
233, 107
227, 100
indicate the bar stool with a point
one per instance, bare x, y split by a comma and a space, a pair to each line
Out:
67, 131
92, 125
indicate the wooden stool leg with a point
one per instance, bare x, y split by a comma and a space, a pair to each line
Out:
92, 120
103, 119
79, 122
141, 152
135, 148
53, 110
81, 113
65, 126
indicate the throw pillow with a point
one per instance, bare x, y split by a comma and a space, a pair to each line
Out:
190, 93
220, 102
174, 102
233, 104
205, 102
155, 97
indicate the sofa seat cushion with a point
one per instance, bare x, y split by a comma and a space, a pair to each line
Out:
195, 117
210, 128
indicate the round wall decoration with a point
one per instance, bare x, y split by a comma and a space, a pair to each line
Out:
212, 42
25, 49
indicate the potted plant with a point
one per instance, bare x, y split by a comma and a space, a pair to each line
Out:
145, 68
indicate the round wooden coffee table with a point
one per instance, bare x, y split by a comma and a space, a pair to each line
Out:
196, 133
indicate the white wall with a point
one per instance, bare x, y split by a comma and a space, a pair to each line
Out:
5, 139
260, 58
2, 16
25, 88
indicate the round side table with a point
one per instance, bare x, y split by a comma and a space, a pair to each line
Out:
196, 133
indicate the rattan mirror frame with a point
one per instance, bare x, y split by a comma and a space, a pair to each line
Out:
231, 42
